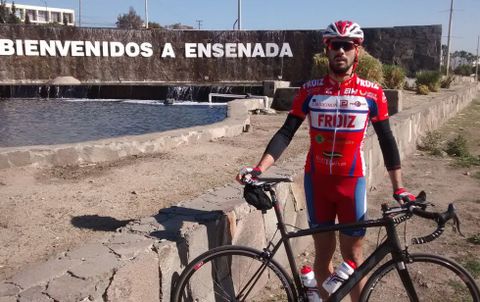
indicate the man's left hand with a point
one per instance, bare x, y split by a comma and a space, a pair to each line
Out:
402, 195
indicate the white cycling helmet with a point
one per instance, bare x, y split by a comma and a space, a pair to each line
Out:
343, 30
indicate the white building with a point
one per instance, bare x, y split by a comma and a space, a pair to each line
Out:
43, 14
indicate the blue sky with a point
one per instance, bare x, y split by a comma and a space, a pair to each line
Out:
289, 14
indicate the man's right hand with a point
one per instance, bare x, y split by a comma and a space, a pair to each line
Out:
247, 173
402, 195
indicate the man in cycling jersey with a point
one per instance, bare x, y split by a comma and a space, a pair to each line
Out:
339, 108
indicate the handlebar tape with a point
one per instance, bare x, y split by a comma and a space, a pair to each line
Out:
441, 219
428, 238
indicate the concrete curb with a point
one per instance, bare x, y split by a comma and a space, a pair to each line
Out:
141, 261
237, 121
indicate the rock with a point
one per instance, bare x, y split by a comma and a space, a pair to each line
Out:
269, 111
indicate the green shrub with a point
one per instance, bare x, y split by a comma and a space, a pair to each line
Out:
368, 68
423, 89
458, 147
320, 66
473, 266
464, 70
393, 76
431, 142
475, 239
447, 81
429, 78
466, 161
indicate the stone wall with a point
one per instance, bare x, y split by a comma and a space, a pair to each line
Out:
414, 47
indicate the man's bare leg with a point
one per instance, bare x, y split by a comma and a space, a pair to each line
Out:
352, 249
325, 244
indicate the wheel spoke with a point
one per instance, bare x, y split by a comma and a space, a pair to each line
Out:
252, 281
233, 274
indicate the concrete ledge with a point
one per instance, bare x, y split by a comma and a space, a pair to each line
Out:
237, 121
270, 87
283, 98
394, 98
141, 261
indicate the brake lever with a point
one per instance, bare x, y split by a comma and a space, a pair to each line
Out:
423, 204
421, 200
452, 214
421, 197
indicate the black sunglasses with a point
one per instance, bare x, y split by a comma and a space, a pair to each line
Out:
336, 45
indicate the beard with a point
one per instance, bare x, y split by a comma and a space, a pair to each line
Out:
339, 70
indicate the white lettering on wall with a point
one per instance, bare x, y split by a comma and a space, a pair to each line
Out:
105, 52
116, 49
217, 49
92, 48
47, 48
18, 44
230, 50
132, 49
244, 50
286, 51
258, 51
167, 51
237, 50
31, 48
63, 48
146, 50
190, 50
78, 49
6, 47
58, 48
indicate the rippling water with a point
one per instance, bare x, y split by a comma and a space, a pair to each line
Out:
25, 122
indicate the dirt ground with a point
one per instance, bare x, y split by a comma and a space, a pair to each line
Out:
47, 211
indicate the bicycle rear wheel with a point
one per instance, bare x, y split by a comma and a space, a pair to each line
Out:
233, 273
434, 278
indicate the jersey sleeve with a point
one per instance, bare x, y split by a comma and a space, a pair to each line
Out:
380, 113
300, 104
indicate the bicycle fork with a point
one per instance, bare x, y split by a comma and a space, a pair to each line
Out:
401, 257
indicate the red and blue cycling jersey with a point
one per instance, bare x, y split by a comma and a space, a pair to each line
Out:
338, 115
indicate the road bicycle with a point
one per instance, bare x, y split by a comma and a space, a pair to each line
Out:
240, 273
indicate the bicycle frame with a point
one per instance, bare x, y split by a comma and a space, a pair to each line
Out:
390, 246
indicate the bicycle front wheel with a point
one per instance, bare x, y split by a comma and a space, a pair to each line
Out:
233, 273
434, 278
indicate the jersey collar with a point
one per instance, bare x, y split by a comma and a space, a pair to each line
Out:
331, 81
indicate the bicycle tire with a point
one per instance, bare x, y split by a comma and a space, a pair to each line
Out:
435, 278
223, 272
